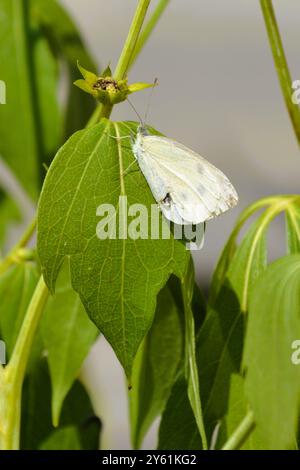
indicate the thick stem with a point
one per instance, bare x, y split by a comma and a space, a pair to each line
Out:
240, 435
13, 376
281, 64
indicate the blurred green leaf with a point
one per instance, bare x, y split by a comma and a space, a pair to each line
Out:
237, 410
16, 288
220, 340
118, 280
272, 380
68, 335
68, 44
221, 269
9, 213
29, 71
36, 426
155, 366
45, 75
249, 261
178, 429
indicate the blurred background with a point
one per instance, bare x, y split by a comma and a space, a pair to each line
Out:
218, 94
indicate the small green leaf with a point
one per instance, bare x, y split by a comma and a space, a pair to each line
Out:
68, 335
89, 77
139, 86
106, 72
118, 279
65, 438
84, 86
272, 379
16, 288
155, 366
293, 229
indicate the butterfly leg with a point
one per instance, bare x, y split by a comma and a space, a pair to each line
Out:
129, 166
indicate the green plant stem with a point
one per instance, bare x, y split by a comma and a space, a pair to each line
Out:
14, 373
130, 43
148, 29
242, 432
281, 64
11, 257
125, 57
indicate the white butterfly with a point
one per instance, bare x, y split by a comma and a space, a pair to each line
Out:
188, 189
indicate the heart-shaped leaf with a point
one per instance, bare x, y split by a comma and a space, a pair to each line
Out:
118, 279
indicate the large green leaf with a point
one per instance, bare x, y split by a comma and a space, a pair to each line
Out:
155, 366
118, 280
68, 334
37, 430
29, 71
16, 288
272, 380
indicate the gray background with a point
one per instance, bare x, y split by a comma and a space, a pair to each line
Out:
218, 94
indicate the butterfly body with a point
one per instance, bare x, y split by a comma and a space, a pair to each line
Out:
188, 189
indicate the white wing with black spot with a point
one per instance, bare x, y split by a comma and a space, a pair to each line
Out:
188, 188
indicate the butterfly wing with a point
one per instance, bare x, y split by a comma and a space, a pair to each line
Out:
197, 191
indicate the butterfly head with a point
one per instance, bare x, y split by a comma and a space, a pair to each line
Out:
142, 130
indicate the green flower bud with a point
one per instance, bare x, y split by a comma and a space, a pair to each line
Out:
105, 88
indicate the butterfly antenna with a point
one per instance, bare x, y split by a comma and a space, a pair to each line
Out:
138, 115
150, 99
